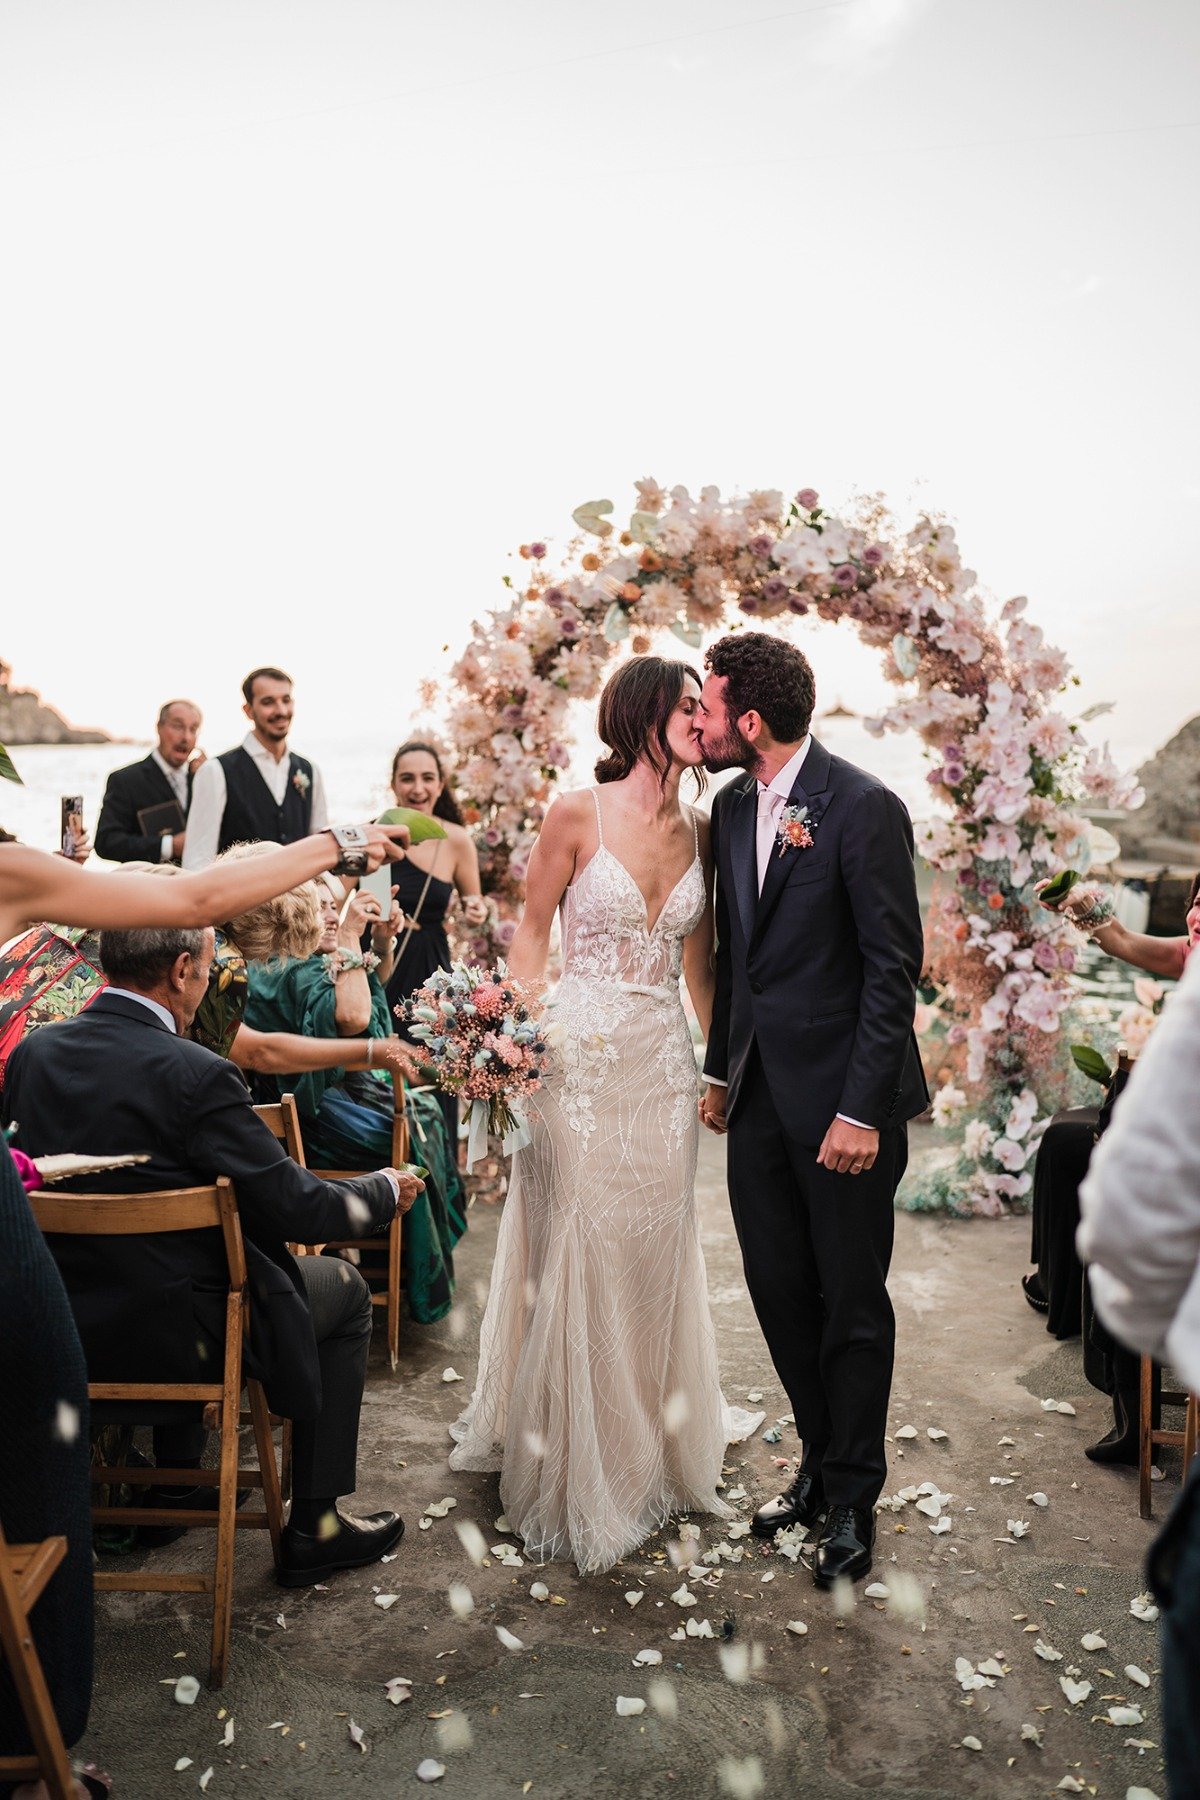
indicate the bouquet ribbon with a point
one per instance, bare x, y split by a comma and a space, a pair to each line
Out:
515, 1138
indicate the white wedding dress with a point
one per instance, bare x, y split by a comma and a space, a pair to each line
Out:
598, 1396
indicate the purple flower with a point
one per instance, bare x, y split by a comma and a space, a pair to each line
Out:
798, 606
807, 498
986, 885
761, 546
846, 576
774, 589
513, 716
537, 551
1045, 955
748, 603
873, 555
953, 774
953, 752
1066, 958
934, 777
968, 878
957, 1034
569, 628
493, 836
859, 608
554, 598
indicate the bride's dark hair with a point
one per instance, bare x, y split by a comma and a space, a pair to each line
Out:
635, 707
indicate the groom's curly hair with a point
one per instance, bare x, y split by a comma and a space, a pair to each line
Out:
768, 676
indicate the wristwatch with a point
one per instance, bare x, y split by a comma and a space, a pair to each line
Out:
351, 841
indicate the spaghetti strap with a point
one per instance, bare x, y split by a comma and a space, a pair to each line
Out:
599, 826
695, 832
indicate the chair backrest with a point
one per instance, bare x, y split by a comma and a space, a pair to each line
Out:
282, 1120
128, 1215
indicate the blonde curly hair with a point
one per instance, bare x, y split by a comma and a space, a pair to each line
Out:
289, 925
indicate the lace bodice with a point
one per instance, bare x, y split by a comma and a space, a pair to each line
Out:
606, 934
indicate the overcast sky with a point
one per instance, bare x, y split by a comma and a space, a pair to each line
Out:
312, 311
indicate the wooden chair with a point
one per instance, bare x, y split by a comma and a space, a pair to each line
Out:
1150, 1436
25, 1570
183, 1209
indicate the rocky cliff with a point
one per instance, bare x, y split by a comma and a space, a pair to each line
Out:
1168, 826
24, 719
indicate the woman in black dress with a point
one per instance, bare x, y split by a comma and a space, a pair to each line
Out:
427, 881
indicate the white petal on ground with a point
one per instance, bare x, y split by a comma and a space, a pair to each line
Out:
204, 1780
1001, 1480
454, 1734
905, 1432
1091, 1640
451, 1375
1047, 1652
185, 1762
993, 1668
1076, 1691
187, 1690
357, 1736
227, 1739
1037, 1499
1018, 1528
501, 1524
1142, 1607
967, 1677
1059, 1406
1136, 1674
971, 1743
1126, 1715
797, 1627
1071, 1784
430, 1769
462, 1601
876, 1591
539, 1591
739, 1529
735, 1662
1002, 1443
1140, 1793
754, 1396
930, 1505
647, 1659
663, 1698
936, 1434
743, 1779
472, 1541
437, 1509
630, 1706
509, 1639
700, 1628
1031, 1734
683, 1596
398, 1689
941, 1526
634, 1595
384, 1601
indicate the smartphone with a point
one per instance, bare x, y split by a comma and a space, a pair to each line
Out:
379, 883
71, 822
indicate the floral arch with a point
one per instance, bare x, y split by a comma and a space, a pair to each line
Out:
1007, 765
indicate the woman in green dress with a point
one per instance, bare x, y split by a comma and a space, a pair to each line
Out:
346, 1117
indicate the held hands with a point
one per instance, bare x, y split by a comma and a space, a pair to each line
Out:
848, 1149
409, 1187
712, 1109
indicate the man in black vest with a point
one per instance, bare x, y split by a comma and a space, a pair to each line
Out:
260, 792
144, 812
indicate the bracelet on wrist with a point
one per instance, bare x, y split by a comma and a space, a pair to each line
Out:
342, 960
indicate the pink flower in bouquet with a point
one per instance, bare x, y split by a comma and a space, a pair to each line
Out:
873, 555
846, 576
761, 546
488, 1000
503, 1049
807, 498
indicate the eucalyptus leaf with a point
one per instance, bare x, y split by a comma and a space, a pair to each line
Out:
644, 527
8, 768
687, 631
906, 655
1095, 712
1089, 1062
590, 517
616, 623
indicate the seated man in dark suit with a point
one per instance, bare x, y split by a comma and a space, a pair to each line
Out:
121, 1077
143, 816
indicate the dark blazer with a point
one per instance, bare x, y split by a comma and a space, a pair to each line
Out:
119, 837
821, 969
115, 1078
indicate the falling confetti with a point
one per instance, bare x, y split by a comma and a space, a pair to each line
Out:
474, 1543
462, 1601
744, 1780
454, 1733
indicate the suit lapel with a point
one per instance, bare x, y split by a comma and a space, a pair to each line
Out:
743, 815
809, 789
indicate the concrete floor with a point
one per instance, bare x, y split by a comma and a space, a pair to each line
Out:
868, 1704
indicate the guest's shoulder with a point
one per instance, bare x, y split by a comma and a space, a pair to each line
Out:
848, 778
118, 778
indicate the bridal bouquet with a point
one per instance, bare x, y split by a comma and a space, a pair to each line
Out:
477, 1029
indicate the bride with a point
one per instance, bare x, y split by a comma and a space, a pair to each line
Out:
597, 1396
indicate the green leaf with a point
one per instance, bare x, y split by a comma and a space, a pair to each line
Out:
1059, 887
1089, 1062
8, 768
616, 623
420, 825
688, 632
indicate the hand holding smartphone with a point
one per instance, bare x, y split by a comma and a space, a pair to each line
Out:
71, 823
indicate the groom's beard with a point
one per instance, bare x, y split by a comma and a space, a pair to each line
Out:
733, 751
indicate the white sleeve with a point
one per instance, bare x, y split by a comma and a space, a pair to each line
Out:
319, 817
1140, 1202
205, 815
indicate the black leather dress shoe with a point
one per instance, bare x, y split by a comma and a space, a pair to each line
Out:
1115, 1447
197, 1499
844, 1547
305, 1559
800, 1504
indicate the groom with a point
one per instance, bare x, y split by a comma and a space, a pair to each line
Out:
812, 1068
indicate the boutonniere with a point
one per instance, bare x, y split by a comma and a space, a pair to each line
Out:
796, 827
300, 782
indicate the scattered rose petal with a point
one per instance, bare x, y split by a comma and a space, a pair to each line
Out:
797, 1627
1002, 1442
1046, 1653
940, 1526
993, 1668
699, 1628
1001, 1480
1037, 1499
1142, 1607
1091, 1640
1070, 1784
647, 1659
187, 1690
1018, 1528
905, 1432
437, 1509
937, 1435
204, 1780
663, 1698
1076, 1691
1060, 1406
754, 1396
509, 1639
876, 1591
451, 1375
1136, 1674
185, 1762
398, 1689
1126, 1715
539, 1591
683, 1596
634, 1595
430, 1770
383, 1601
502, 1524
462, 1601
1031, 1734
630, 1706
227, 1739
357, 1736
743, 1779
971, 1743
474, 1543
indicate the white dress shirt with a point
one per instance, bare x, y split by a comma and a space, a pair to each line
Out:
208, 800
177, 781
1140, 1201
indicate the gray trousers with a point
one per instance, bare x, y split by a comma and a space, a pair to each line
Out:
324, 1449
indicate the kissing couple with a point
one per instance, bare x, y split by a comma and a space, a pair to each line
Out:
792, 916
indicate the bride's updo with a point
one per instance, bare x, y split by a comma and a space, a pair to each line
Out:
635, 706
